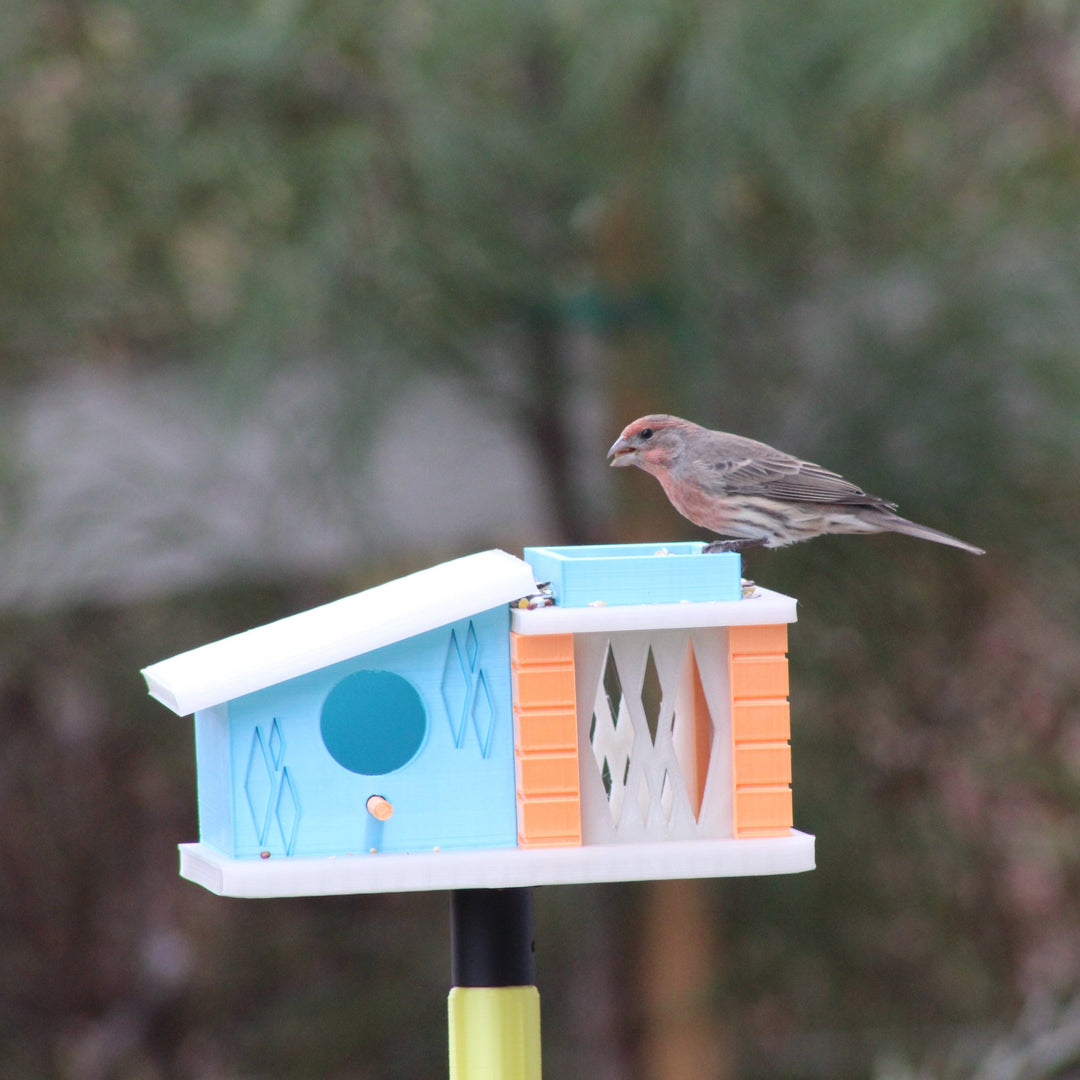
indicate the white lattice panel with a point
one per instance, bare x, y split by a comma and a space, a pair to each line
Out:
654, 708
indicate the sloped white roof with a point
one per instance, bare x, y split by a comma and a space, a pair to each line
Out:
267, 655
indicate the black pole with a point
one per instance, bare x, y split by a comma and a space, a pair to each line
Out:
491, 937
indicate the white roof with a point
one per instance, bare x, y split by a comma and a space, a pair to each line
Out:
267, 655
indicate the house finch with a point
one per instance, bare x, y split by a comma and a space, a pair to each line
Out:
741, 488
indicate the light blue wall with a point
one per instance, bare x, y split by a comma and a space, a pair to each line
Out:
287, 794
212, 752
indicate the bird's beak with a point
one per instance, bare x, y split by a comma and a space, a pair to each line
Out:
621, 453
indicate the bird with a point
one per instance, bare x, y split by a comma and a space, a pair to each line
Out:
753, 493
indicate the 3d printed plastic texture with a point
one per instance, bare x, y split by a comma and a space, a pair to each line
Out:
653, 707
760, 727
545, 739
424, 723
636, 573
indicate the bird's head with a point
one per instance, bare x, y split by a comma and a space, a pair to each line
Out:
651, 442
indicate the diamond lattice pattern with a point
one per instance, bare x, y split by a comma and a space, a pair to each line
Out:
465, 690
651, 734
270, 789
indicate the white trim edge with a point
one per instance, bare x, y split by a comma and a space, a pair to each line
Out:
495, 868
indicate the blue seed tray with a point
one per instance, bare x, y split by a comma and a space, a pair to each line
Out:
636, 573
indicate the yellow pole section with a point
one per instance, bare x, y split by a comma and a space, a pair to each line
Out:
494, 1033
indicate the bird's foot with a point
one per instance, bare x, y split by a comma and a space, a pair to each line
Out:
730, 545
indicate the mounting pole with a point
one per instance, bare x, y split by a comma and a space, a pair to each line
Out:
494, 1007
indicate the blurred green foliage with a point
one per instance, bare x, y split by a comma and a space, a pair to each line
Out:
847, 228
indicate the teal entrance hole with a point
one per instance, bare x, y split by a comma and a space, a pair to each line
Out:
373, 722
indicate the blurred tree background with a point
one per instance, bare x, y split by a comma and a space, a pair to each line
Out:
296, 295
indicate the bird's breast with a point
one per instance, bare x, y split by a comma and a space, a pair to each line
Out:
692, 501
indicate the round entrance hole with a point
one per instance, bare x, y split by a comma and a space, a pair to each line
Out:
373, 722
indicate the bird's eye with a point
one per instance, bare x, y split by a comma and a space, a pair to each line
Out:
646, 433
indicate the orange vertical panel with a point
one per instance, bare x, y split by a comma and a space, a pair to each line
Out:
763, 763
759, 677
758, 639
538, 731
545, 739
760, 730
549, 822
763, 811
542, 648
544, 688
547, 774
760, 721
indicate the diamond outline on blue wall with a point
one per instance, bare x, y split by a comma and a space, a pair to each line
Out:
287, 812
465, 691
455, 689
259, 783
277, 744
472, 646
270, 789
483, 714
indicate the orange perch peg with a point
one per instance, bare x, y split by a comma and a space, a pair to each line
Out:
379, 808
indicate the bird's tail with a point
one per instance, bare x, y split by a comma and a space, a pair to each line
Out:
895, 523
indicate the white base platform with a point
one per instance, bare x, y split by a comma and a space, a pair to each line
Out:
494, 868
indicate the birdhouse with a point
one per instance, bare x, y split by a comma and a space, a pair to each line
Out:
593, 713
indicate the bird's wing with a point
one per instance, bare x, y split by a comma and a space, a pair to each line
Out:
746, 467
